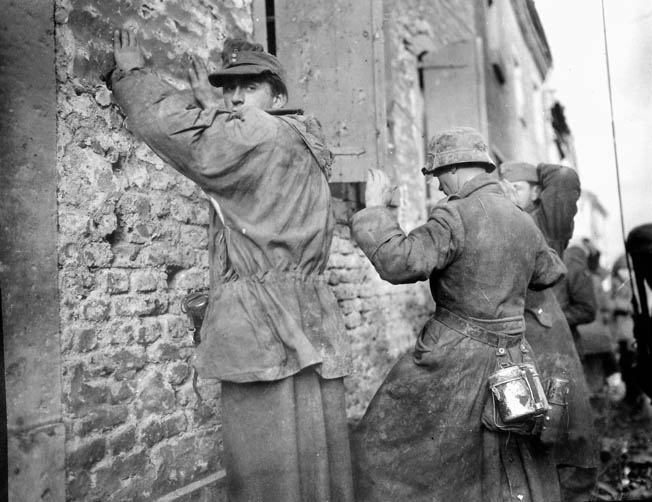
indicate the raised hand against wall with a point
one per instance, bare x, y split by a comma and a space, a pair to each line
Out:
126, 50
203, 91
379, 190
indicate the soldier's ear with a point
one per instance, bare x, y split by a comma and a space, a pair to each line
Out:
536, 192
279, 101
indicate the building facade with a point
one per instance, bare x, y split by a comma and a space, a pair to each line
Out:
101, 240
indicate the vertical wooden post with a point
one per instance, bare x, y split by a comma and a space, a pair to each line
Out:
28, 252
334, 56
259, 15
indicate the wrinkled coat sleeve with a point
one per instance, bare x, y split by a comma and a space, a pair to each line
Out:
549, 269
207, 145
579, 304
401, 258
560, 190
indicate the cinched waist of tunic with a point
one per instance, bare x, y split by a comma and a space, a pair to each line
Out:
270, 276
270, 325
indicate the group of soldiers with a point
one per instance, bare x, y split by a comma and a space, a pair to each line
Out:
273, 333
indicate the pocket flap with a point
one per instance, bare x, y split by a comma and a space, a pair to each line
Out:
543, 317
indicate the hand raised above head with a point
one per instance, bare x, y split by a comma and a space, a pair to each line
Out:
126, 50
203, 91
379, 190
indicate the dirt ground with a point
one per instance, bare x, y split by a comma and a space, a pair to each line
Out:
626, 450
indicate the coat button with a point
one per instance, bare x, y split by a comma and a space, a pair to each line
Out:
501, 351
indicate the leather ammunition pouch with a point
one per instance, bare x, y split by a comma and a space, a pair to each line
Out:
555, 423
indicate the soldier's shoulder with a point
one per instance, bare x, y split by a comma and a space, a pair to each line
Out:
446, 209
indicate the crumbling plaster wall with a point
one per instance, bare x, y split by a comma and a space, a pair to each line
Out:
412, 29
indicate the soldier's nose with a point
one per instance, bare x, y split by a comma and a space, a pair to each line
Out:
238, 96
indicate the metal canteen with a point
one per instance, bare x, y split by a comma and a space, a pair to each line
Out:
518, 392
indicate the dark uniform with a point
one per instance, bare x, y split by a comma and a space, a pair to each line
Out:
577, 296
422, 439
547, 329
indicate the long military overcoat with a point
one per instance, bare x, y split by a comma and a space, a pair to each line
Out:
546, 327
422, 439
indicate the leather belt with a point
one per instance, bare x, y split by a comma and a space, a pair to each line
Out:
504, 332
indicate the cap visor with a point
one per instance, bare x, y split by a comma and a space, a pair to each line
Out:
489, 166
219, 78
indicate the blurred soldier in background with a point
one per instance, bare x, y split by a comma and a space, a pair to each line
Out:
549, 193
593, 339
637, 353
577, 295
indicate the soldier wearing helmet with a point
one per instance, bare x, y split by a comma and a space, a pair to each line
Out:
549, 192
451, 155
428, 432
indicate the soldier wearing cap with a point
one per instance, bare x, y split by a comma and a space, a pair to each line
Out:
273, 333
423, 436
549, 193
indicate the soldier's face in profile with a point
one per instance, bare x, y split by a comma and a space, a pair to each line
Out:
526, 194
447, 182
244, 91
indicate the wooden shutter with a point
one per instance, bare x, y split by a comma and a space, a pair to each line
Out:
333, 54
454, 87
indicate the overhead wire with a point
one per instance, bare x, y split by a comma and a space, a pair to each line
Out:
615, 144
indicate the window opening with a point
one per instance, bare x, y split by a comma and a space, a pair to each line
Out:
271, 26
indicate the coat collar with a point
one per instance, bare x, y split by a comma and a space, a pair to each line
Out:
311, 132
485, 182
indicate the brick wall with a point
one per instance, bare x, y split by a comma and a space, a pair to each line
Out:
132, 242
382, 320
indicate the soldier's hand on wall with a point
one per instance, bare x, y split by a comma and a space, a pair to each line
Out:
203, 91
126, 50
379, 190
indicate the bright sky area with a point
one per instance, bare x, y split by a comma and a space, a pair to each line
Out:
579, 78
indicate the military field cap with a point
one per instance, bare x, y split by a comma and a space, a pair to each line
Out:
458, 145
242, 58
519, 171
